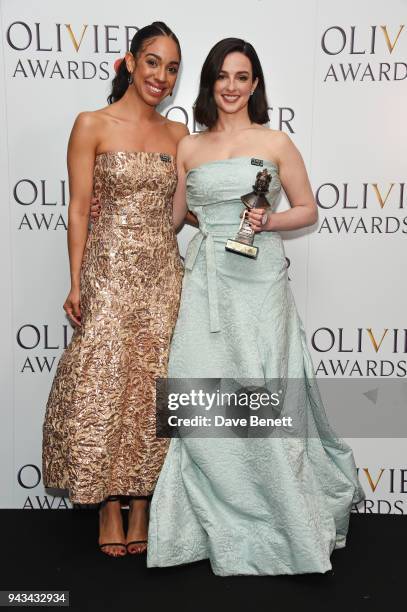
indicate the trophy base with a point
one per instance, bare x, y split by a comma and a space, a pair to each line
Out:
247, 250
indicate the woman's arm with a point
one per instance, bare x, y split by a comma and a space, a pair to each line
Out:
179, 209
81, 160
294, 180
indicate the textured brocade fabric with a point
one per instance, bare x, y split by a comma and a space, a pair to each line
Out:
99, 434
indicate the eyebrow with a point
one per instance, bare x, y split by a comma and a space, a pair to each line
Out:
238, 72
160, 58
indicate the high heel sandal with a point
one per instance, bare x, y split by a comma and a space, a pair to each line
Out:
132, 542
102, 546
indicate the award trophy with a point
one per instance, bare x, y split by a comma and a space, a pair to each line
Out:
243, 243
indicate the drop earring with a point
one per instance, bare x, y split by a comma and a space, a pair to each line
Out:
130, 79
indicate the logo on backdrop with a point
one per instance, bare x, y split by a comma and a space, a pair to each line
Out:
281, 118
41, 346
378, 483
382, 482
364, 352
28, 478
62, 51
373, 53
42, 204
57, 51
363, 208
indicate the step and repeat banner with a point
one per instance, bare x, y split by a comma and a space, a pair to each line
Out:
336, 76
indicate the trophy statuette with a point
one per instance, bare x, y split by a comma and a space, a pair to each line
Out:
243, 243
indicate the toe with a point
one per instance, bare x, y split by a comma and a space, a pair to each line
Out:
137, 549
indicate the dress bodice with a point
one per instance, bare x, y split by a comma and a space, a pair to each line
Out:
135, 184
135, 190
214, 189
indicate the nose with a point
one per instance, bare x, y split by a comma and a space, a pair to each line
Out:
230, 86
161, 74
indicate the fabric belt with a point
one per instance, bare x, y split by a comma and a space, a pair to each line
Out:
192, 254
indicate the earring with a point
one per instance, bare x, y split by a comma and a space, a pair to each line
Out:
170, 93
252, 92
130, 79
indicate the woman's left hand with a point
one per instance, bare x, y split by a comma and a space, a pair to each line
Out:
94, 209
258, 219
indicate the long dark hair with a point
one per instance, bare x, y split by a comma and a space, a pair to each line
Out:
205, 110
120, 82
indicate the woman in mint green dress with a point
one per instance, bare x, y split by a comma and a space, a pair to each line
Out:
261, 506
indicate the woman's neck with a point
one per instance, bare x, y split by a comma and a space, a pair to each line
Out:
232, 122
135, 108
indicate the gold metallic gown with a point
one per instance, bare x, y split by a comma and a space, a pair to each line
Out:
99, 434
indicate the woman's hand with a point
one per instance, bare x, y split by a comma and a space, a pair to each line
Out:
72, 306
94, 209
258, 219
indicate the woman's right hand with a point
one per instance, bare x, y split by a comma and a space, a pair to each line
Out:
94, 209
72, 306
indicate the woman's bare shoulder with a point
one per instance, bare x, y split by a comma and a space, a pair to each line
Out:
279, 138
278, 142
90, 120
177, 128
190, 142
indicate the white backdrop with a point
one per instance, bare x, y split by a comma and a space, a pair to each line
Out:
336, 78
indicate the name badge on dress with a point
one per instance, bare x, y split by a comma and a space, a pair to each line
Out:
256, 162
164, 157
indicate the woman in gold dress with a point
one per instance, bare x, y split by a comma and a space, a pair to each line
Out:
99, 437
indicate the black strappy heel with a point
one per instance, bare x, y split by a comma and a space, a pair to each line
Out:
138, 552
102, 546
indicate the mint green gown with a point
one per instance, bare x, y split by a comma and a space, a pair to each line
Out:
259, 506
